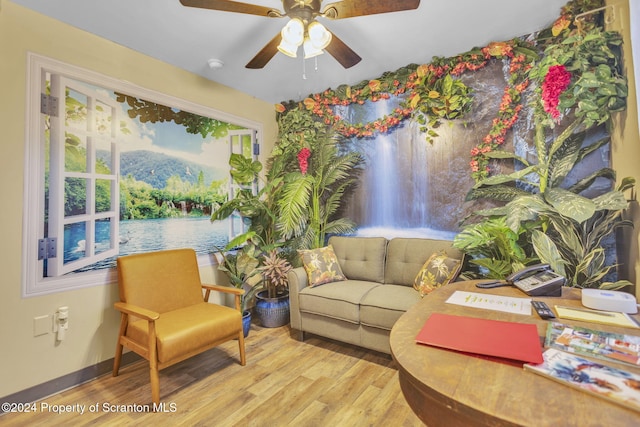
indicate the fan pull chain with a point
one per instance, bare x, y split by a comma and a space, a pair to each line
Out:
304, 67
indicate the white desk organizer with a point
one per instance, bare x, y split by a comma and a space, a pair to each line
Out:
601, 299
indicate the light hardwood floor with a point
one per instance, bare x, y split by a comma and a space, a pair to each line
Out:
285, 383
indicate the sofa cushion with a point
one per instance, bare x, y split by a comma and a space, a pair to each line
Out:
436, 272
321, 266
406, 256
339, 300
383, 305
361, 258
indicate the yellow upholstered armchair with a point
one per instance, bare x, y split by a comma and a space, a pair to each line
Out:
164, 316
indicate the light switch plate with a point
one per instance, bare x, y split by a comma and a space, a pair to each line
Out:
41, 325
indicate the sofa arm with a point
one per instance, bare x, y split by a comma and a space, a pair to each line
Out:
297, 282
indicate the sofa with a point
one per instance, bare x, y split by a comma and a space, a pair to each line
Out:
375, 289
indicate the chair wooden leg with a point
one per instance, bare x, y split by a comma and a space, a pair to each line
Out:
243, 359
153, 364
155, 381
118, 356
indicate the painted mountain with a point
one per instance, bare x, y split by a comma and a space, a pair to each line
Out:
155, 168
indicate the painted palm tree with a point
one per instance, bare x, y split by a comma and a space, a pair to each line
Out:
312, 194
299, 201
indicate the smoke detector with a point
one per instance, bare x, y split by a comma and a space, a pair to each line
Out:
215, 64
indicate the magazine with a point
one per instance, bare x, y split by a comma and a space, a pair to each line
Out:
610, 383
599, 344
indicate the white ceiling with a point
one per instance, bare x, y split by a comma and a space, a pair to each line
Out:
188, 37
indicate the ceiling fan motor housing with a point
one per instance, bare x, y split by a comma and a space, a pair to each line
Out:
305, 10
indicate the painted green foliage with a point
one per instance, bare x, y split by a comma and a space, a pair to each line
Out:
565, 228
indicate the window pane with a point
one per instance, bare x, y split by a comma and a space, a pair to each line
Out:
75, 196
103, 235
75, 153
103, 195
75, 238
247, 148
76, 110
104, 156
102, 118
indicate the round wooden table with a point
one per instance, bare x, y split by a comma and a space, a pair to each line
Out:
447, 388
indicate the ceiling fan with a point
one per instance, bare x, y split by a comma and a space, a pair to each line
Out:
303, 29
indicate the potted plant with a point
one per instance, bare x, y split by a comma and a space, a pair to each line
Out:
272, 302
241, 268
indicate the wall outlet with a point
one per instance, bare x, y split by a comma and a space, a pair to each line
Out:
41, 325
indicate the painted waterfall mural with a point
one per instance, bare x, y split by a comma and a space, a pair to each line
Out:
410, 187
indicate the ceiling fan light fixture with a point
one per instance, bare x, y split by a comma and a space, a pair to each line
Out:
310, 50
318, 35
292, 37
293, 32
288, 49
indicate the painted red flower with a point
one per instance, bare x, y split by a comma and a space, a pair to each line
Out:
303, 159
555, 82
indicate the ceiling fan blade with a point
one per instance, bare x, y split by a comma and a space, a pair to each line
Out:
342, 53
232, 6
350, 8
265, 55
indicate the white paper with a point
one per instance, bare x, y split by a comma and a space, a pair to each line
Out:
491, 302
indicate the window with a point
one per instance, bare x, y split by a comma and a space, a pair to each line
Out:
111, 169
240, 143
83, 188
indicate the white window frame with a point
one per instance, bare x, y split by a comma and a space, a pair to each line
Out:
235, 138
33, 284
90, 133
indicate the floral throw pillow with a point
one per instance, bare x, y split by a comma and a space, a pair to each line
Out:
321, 266
436, 272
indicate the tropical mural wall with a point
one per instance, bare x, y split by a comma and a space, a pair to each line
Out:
504, 148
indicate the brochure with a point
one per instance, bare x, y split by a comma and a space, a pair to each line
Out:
599, 344
614, 384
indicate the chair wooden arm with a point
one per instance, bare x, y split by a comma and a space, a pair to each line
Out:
134, 310
226, 289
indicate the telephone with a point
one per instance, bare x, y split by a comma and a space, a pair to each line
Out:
537, 280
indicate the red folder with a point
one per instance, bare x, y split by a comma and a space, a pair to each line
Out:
509, 340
